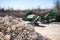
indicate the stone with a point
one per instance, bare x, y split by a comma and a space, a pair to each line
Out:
7, 37
1, 34
33, 35
8, 29
11, 28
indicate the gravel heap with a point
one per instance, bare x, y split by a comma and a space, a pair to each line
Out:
12, 28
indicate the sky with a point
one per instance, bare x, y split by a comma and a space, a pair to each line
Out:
26, 4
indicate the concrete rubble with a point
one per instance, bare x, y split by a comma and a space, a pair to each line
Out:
13, 28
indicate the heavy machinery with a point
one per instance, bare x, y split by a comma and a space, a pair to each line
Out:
35, 19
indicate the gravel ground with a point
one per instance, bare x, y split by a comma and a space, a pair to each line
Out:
52, 31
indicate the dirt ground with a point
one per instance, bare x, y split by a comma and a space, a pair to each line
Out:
52, 31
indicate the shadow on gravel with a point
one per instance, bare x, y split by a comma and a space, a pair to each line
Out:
41, 25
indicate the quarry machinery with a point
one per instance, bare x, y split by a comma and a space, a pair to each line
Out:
36, 19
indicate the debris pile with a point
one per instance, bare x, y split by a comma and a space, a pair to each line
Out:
12, 28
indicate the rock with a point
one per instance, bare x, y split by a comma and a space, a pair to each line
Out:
11, 28
33, 35
1, 38
7, 37
8, 29
1, 34
30, 28
20, 38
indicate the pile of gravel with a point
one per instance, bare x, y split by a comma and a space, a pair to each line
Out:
12, 28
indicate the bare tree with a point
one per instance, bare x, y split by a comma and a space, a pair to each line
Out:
58, 5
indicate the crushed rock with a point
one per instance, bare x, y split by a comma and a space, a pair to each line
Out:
12, 28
